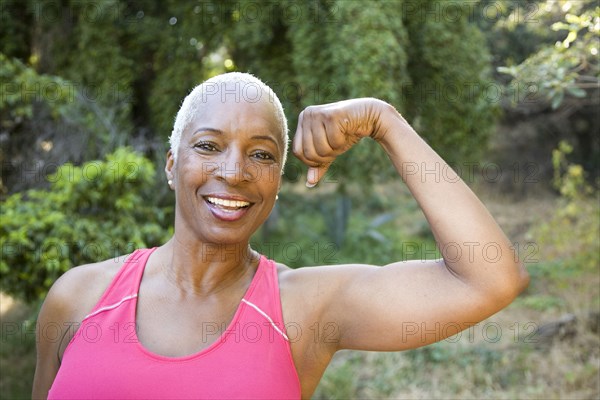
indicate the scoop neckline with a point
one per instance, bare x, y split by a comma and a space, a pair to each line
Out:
220, 340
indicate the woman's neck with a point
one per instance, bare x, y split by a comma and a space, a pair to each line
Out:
205, 268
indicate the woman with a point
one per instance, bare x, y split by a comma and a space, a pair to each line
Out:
205, 316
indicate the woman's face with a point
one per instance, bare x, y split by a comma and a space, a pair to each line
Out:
228, 169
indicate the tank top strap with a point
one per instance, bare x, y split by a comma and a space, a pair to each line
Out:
264, 297
125, 284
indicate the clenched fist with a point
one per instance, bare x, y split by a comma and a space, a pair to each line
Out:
326, 131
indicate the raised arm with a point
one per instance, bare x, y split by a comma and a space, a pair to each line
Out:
409, 303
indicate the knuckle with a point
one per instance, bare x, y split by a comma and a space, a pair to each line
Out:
310, 154
311, 111
297, 151
337, 140
328, 118
321, 152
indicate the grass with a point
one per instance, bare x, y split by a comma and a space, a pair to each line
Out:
507, 362
500, 358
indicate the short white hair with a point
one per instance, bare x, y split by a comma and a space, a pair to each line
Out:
246, 85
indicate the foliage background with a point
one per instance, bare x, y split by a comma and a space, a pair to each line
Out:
89, 91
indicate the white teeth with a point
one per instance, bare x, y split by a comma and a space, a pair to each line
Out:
228, 203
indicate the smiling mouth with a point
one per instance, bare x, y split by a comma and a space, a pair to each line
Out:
228, 205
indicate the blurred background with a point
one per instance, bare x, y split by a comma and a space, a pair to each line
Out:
506, 91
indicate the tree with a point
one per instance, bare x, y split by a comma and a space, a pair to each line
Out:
564, 77
449, 65
569, 67
134, 62
139, 59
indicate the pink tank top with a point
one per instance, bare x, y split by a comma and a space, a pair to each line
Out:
251, 360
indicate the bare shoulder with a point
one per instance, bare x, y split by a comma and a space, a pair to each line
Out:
69, 300
293, 285
76, 292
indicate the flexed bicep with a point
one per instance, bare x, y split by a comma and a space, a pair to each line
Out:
401, 306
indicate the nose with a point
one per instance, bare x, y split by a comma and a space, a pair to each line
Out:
234, 167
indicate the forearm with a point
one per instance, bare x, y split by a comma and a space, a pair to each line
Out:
473, 246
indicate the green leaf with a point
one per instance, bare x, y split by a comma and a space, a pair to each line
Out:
557, 100
576, 91
571, 37
573, 19
507, 70
558, 26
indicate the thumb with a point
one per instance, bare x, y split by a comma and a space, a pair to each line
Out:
315, 174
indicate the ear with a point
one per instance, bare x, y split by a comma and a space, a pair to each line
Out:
170, 166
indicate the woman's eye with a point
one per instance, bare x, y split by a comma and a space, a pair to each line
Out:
263, 155
206, 146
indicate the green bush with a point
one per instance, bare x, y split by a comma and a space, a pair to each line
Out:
91, 212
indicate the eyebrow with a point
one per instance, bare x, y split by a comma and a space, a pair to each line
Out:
208, 129
266, 137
